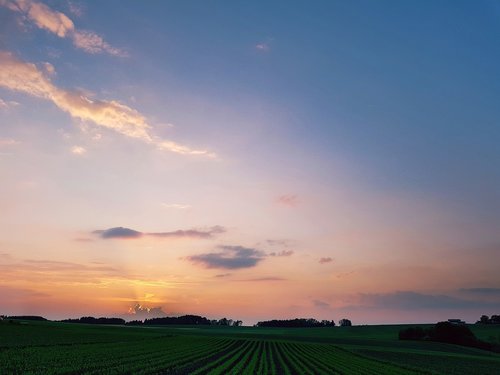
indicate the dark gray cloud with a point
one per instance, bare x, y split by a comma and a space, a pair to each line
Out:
486, 291
229, 257
321, 304
127, 233
409, 300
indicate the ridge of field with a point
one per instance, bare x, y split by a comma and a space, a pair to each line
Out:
57, 348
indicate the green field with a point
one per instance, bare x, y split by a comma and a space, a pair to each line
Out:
62, 348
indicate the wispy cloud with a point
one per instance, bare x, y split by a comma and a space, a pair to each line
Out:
176, 206
262, 279
321, 304
78, 150
290, 200
284, 253
284, 243
484, 291
61, 25
229, 257
409, 300
25, 77
6, 104
325, 260
222, 275
126, 233
262, 47
8, 142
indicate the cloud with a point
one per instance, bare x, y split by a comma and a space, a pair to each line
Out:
284, 243
325, 260
486, 291
49, 68
121, 232
8, 142
19, 294
269, 278
284, 253
118, 232
52, 265
176, 206
222, 275
139, 312
263, 47
61, 25
230, 257
321, 304
25, 77
75, 9
290, 200
192, 233
78, 150
7, 104
409, 300
92, 43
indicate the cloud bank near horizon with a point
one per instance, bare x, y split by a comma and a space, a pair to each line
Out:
127, 233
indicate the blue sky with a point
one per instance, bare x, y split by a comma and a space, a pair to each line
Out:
357, 131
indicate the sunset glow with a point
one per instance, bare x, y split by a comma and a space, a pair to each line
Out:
250, 160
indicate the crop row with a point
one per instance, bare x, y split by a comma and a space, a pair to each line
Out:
191, 355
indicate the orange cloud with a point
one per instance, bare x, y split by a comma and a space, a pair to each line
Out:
25, 77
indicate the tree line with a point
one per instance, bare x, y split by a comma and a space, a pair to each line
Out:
484, 319
302, 323
171, 320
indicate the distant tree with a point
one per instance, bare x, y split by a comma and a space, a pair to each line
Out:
495, 319
328, 323
484, 319
223, 322
345, 323
181, 320
296, 323
134, 323
237, 323
26, 317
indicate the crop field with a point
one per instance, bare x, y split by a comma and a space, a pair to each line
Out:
58, 348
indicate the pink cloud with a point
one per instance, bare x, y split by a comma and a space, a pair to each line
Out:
325, 260
290, 200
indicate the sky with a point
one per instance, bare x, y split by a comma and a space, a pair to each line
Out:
250, 160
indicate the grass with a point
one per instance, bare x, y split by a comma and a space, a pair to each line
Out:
58, 348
